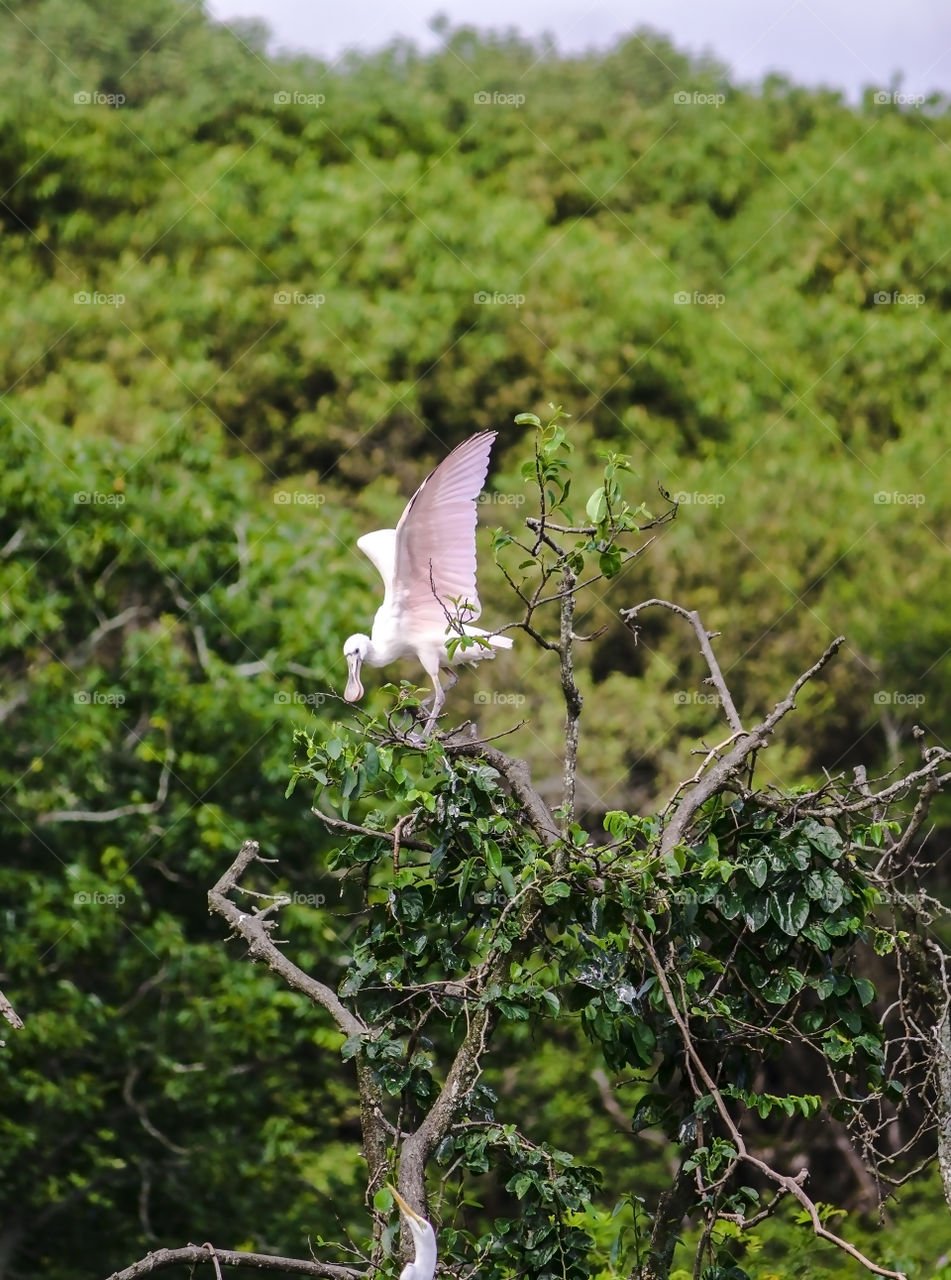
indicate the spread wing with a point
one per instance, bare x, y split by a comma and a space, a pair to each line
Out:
435, 561
380, 548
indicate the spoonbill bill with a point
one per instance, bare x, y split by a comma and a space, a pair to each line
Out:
428, 567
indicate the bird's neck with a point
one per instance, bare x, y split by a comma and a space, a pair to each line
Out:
423, 1266
376, 655
385, 648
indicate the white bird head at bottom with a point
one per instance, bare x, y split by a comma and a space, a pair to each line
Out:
423, 1266
355, 651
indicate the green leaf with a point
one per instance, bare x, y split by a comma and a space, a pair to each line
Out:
371, 762
609, 562
409, 905
351, 1047
790, 913
757, 869
644, 1040
557, 889
817, 935
465, 876
596, 508
508, 882
756, 912
777, 990
866, 992
493, 857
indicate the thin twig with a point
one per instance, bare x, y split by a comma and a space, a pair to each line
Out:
352, 829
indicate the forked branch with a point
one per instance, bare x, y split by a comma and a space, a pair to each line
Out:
728, 767
255, 927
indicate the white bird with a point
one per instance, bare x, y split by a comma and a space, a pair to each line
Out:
428, 567
423, 1266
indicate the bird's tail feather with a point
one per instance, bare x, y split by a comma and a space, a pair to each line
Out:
490, 638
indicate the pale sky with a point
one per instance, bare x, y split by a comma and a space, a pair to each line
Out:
843, 43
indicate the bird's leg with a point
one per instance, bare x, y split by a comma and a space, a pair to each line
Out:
439, 698
451, 681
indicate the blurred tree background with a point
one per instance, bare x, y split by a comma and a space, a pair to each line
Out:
247, 301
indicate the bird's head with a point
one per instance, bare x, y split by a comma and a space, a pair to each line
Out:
423, 1236
355, 651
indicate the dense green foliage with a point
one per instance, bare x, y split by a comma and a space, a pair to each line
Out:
253, 287
798, 414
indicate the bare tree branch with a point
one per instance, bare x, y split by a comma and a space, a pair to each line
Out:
628, 617
820, 803
123, 811
517, 774
735, 761
460, 1078
942, 1049
193, 1254
7, 1011
255, 929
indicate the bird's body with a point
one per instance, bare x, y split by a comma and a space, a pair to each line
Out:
423, 1266
428, 567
